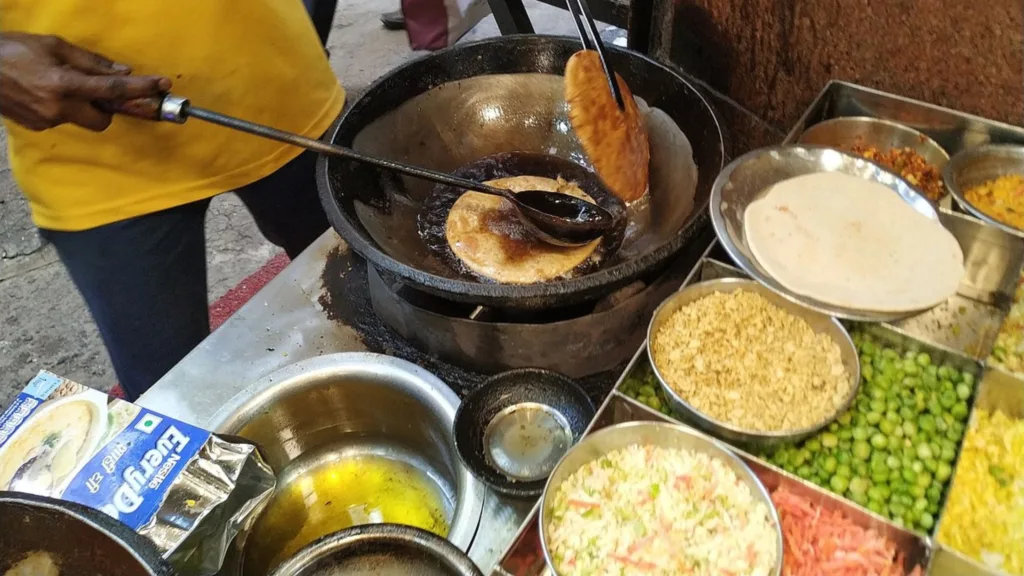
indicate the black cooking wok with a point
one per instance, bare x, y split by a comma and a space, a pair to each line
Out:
456, 106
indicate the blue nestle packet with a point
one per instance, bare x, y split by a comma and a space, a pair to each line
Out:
187, 490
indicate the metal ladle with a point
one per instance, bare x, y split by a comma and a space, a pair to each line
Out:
552, 217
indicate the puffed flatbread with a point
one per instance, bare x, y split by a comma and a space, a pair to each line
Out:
851, 242
485, 234
615, 140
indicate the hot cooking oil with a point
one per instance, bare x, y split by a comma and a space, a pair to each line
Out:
337, 495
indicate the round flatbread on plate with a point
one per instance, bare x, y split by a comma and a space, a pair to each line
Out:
851, 242
485, 234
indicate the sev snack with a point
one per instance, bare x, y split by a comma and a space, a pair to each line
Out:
742, 360
1001, 199
908, 164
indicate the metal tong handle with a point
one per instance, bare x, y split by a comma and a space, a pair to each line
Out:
591, 40
171, 108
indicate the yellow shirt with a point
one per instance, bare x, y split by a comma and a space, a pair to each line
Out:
259, 60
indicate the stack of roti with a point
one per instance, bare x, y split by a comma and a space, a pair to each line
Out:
854, 243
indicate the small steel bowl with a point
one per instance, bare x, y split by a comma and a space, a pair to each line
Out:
660, 434
845, 132
513, 430
749, 177
385, 549
818, 322
978, 165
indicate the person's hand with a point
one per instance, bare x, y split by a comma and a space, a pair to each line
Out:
45, 82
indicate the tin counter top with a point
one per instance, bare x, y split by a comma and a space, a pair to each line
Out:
284, 323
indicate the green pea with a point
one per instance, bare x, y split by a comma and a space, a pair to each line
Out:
880, 476
963, 391
845, 418
804, 471
829, 440
845, 434
909, 475
948, 399
878, 507
860, 468
879, 441
860, 433
934, 494
924, 452
813, 445
923, 360
646, 391
874, 418
960, 410
924, 479
926, 423
909, 429
844, 457
917, 466
931, 465
893, 462
967, 379
829, 465
861, 450
655, 403
943, 471
844, 471
838, 484
926, 521
917, 491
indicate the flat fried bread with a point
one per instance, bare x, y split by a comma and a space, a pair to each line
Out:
485, 234
615, 140
851, 242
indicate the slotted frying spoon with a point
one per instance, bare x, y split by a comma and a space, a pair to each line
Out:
553, 217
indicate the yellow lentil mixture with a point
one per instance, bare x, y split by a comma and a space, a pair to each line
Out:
984, 516
740, 359
1001, 199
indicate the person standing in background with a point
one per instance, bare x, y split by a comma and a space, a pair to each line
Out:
124, 200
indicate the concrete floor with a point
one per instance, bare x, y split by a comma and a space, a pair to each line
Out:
45, 324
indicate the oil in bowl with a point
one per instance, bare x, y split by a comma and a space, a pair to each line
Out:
338, 494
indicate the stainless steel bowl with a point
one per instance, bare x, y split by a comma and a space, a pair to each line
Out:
978, 165
660, 434
845, 132
342, 406
379, 550
820, 323
748, 177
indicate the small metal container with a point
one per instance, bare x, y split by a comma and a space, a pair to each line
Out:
818, 322
513, 430
749, 177
379, 550
848, 131
978, 165
659, 434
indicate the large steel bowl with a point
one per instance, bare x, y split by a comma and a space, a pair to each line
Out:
348, 405
749, 177
660, 434
845, 132
820, 323
978, 165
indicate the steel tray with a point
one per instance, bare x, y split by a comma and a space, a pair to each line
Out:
961, 331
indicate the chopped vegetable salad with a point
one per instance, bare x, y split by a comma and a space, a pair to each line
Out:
652, 510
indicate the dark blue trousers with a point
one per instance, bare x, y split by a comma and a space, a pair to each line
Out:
144, 279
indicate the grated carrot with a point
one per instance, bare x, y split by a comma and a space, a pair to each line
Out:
818, 541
